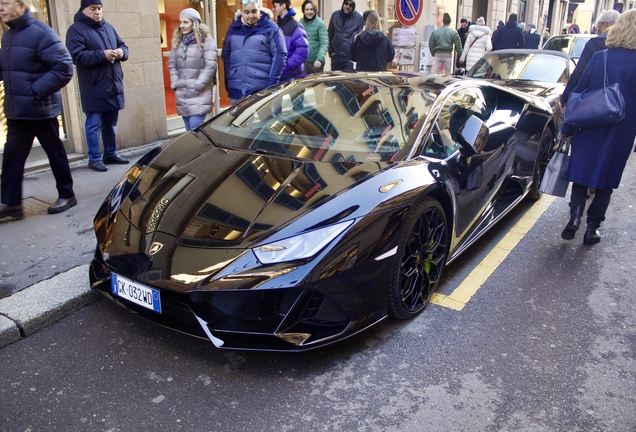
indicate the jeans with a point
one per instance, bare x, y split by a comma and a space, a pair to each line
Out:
19, 141
193, 122
445, 59
104, 124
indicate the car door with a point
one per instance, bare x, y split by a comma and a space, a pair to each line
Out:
475, 178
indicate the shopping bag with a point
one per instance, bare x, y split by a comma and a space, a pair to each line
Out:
555, 181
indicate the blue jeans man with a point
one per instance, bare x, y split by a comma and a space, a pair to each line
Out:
104, 124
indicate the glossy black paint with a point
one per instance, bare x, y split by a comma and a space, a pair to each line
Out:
186, 217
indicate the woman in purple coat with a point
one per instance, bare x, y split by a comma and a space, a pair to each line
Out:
599, 155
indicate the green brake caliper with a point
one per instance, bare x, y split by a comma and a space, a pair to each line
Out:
427, 265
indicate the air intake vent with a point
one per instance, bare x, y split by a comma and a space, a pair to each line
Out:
313, 306
286, 301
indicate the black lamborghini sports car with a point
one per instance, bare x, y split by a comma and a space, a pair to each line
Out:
315, 209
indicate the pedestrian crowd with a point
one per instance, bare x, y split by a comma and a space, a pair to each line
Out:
262, 48
471, 41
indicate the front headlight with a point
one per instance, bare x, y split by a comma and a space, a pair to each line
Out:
301, 246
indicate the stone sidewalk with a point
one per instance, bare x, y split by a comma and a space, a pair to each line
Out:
44, 303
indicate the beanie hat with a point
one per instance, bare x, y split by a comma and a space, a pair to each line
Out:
481, 21
189, 13
87, 3
446, 19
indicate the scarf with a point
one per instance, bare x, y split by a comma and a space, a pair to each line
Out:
187, 39
310, 19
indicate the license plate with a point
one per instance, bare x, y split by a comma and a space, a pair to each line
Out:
135, 292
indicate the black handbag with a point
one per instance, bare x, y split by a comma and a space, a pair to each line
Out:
555, 178
602, 107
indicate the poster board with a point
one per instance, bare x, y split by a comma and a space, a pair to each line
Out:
404, 42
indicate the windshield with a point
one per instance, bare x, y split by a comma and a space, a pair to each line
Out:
331, 120
569, 45
529, 67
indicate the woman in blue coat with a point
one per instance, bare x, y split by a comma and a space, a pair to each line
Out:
599, 155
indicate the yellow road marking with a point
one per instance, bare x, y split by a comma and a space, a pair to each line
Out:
469, 286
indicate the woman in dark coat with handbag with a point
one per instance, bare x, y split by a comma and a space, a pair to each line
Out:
372, 49
599, 155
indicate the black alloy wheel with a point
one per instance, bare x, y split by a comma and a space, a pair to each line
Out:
543, 158
420, 259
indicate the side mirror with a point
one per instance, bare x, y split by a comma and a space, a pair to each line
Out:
473, 136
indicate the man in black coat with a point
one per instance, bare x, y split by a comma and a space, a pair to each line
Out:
606, 20
344, 25
532, 38
97, 53
462, 31
34, 65
508, 36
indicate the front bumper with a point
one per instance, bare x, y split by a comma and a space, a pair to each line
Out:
285, 319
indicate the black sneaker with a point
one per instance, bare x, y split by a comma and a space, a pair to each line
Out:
118, 160
97, 166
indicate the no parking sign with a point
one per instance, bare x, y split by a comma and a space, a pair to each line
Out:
408, 11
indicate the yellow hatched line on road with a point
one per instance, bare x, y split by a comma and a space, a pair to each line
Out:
469, 286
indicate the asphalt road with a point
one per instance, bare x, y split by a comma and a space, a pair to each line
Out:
547, 343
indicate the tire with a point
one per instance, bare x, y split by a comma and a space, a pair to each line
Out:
543, 157
421, 257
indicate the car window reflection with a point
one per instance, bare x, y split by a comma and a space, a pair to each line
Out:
531, 67
358, 121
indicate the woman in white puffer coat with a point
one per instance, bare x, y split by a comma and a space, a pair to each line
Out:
193, 63
477, 43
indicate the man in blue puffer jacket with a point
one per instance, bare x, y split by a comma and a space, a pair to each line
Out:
34, 65
295, 39
97, 53
254, 52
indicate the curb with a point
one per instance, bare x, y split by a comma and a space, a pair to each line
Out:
44, 303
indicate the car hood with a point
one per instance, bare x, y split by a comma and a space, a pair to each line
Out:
208, 196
